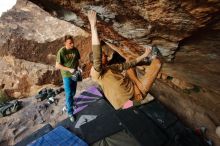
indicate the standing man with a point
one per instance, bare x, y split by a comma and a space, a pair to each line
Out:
68, 61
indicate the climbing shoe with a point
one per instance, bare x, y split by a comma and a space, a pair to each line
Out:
42, 94
155, 52
72, 118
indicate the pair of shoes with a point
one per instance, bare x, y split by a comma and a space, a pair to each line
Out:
51, 100
42, 95
72, 118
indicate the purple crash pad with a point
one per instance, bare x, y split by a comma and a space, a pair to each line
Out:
90, 95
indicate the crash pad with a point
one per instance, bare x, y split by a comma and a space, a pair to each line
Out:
58, 137
35, 135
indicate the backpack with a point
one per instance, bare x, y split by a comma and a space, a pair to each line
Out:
9, 108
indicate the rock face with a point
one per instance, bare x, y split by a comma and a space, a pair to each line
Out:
162, 22
186, 32
191, 83
32, 37
198, 58
21, 78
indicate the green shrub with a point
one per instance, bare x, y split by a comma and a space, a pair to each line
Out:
3, 97
196, 89
169, 78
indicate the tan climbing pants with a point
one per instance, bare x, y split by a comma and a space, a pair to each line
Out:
143, 84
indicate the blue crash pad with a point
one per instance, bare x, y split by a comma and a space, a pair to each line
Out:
58, 137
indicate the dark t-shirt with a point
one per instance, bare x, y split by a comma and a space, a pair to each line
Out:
68, 58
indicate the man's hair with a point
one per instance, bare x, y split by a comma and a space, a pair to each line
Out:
91, 57
68, 37
102, 43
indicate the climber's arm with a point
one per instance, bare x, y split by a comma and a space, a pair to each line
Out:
96, 49
132, 63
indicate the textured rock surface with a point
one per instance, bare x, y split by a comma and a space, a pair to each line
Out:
21, 78
33, 116
30, 33
186, 32
194, 75
195, 108
177, 28
198, 58
32, 23
162, 22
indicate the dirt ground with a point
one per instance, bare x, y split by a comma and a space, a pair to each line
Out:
34, 115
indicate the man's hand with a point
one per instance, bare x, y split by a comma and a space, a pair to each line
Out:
79, 69
92, 18
72, 71
147, 51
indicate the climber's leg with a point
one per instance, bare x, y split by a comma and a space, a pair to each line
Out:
137, 84
149, 77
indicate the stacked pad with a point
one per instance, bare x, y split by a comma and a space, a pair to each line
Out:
91, 95
103, 126
133, 120
122, 138
37, 134
91, 112
159, 114
58, 137
90, 104
150, 124
142, 128
177, 133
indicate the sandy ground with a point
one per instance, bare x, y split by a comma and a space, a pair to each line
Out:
33, 116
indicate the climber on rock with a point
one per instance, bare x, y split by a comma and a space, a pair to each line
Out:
119, 88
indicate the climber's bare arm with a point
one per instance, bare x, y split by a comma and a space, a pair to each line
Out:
96, 49
129, 64
92, 20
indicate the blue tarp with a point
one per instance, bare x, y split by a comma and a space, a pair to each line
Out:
59, 137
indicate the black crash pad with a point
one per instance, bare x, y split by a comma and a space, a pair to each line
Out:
93, 110
141, 127
159, 114
178, 134
103, 126
122, 138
